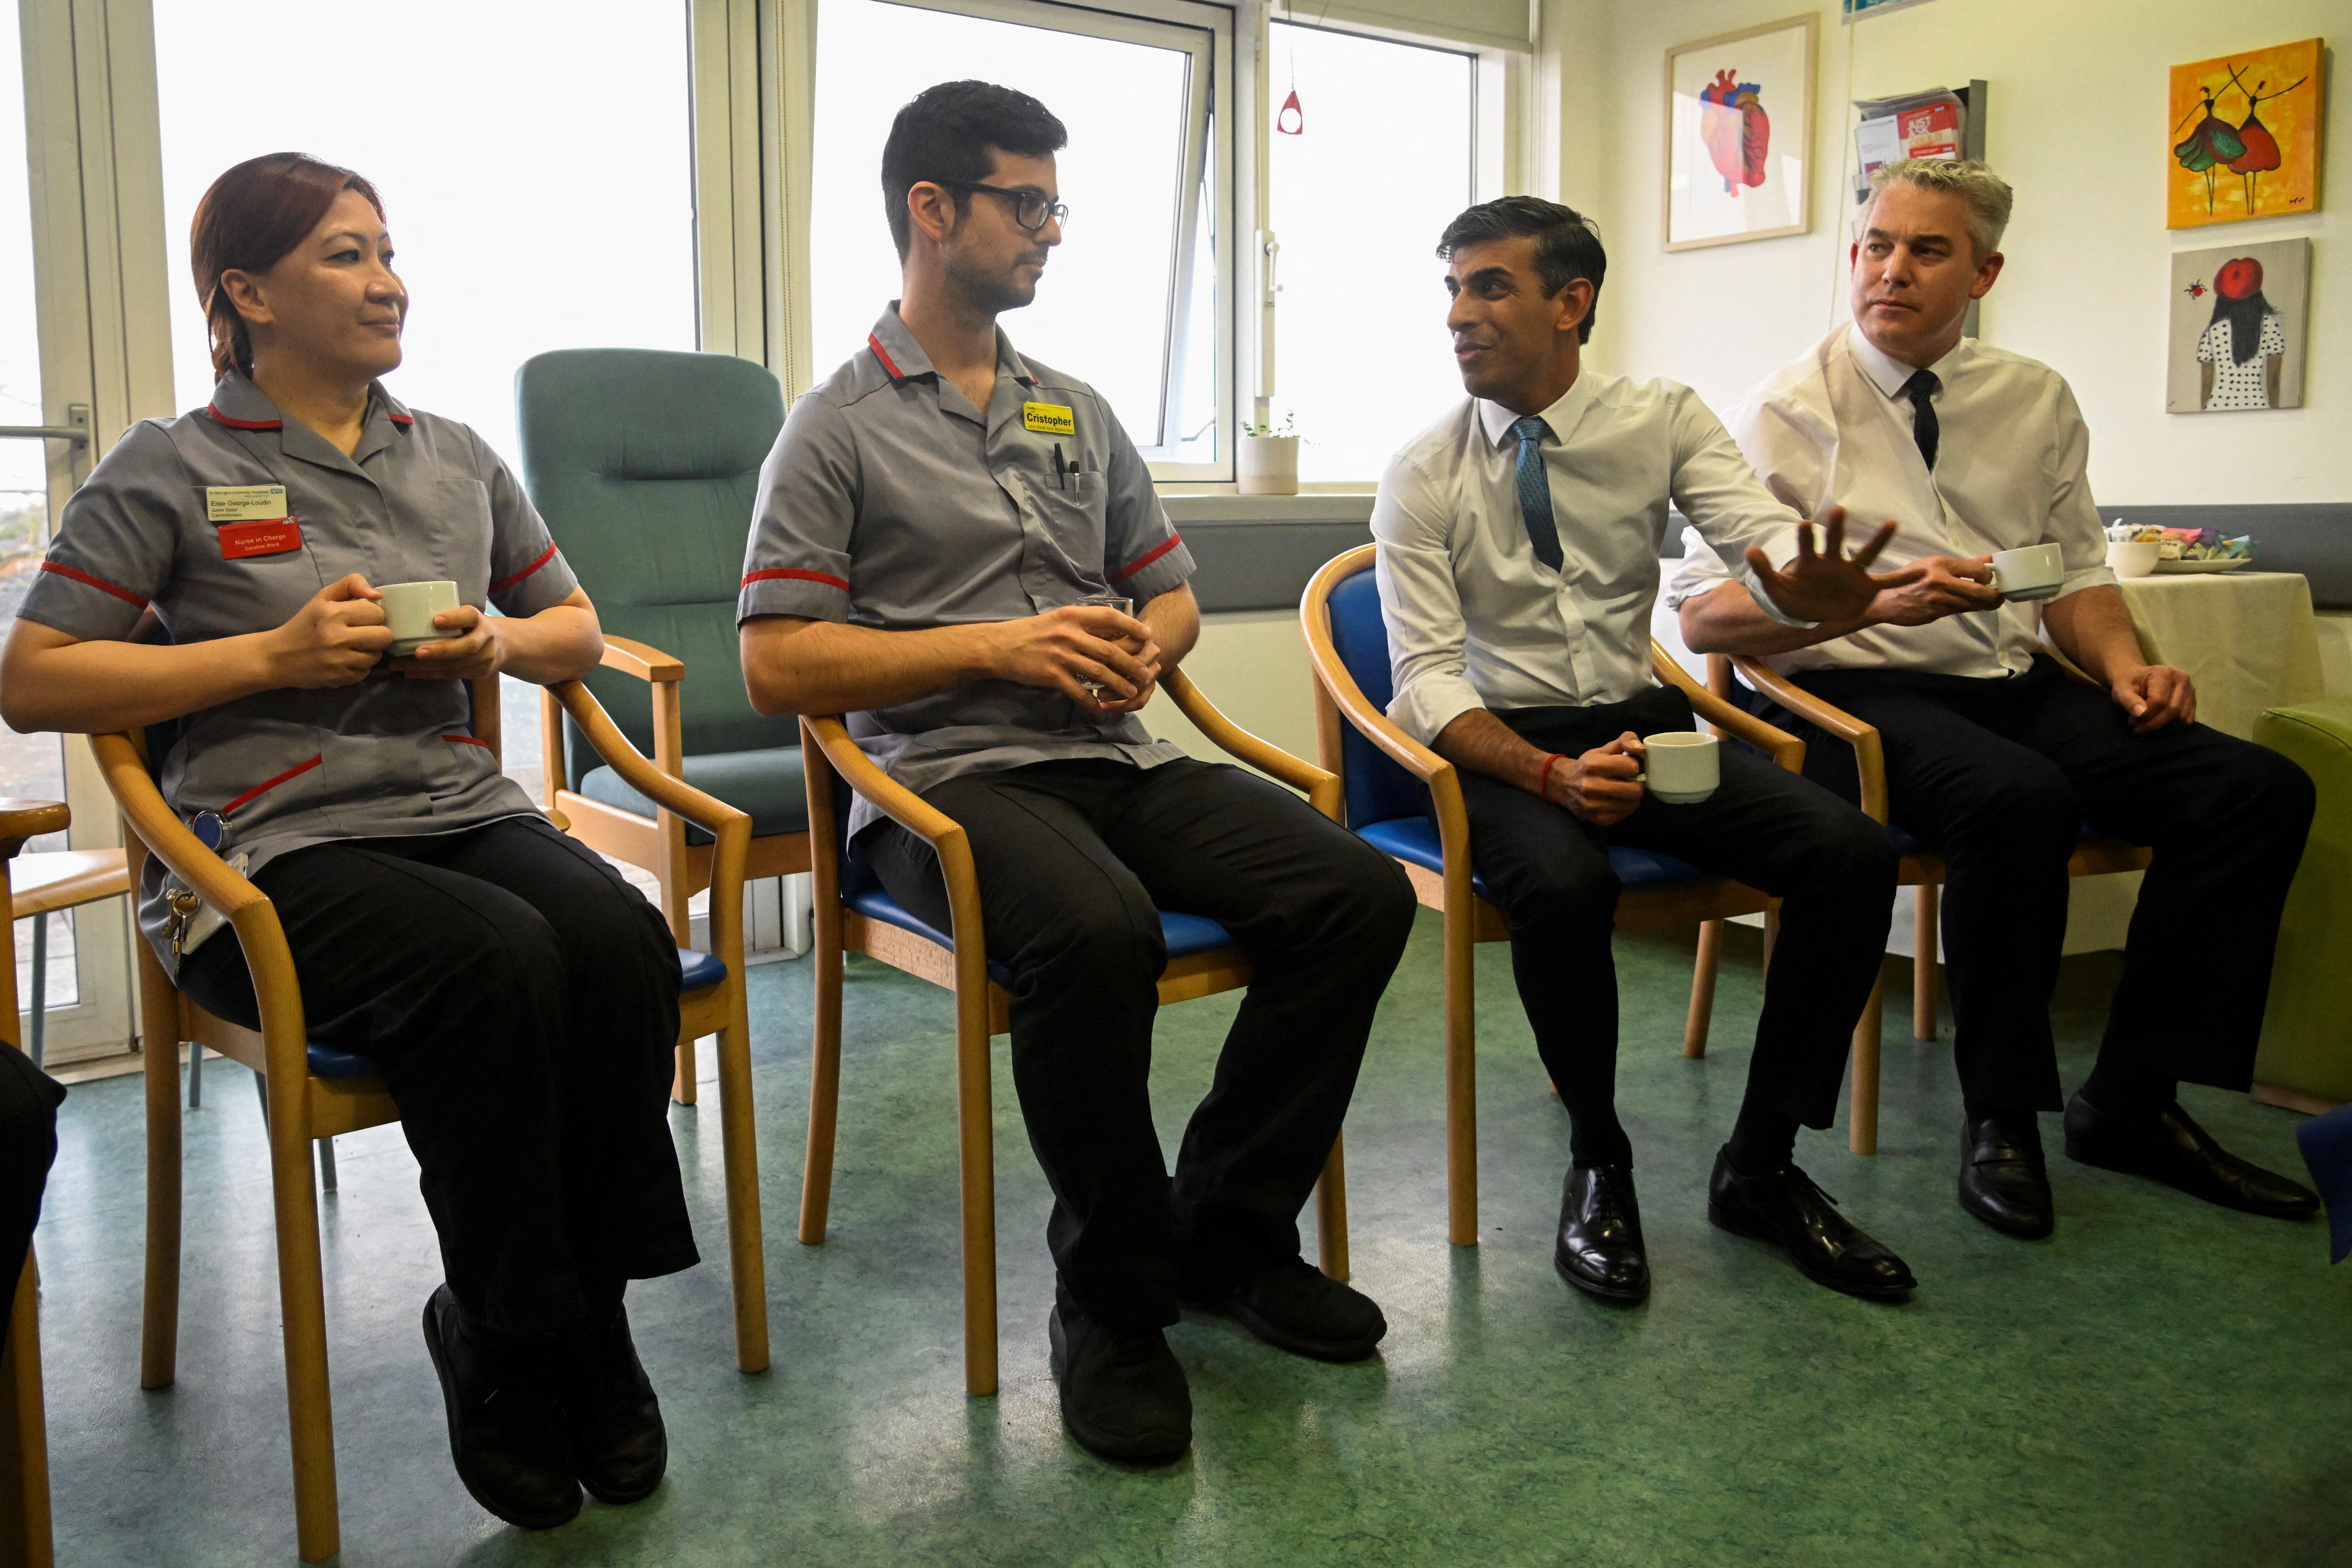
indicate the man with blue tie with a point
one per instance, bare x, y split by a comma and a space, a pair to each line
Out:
1517, 563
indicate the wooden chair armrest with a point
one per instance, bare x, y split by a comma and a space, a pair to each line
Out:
1869, 753
1785, 749
636, 658
23, 819
706, 811
893, 800
166, 836
1321, 786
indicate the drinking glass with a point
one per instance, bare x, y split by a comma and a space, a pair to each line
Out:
1124, 606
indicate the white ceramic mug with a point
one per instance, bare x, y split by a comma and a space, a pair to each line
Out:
1684, 766
2133, 558
409, 609
2033, 573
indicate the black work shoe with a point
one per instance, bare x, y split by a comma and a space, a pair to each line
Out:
1785, 1208
1294, 1305
506, 1428
619, 1447
2168, 1147
1600, 1248
2004, 1181
1123, 1394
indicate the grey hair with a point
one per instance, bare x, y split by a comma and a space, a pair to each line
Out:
1987, 194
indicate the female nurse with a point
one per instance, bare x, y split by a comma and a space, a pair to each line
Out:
522, 997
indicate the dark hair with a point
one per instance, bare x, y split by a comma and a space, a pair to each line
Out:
953, 132
251, 220
2245, 319
1568, 245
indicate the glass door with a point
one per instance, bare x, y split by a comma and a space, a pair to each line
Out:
73, 965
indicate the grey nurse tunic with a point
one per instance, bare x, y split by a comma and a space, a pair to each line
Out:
420, 499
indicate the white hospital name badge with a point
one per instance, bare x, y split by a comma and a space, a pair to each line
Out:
1049, 419
243, 503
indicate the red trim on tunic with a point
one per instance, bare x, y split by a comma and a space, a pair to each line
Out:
1133, 567
101, 583
272, 784
503, 584
220, 418
827, 578
403, 420
468, 741
876, 344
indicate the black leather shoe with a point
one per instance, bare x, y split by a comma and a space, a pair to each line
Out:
1294, 1305
1123, 1393
505, 1428
1600, 1248
1785, 1208
2004, 1181
2169, 1148
619, 1447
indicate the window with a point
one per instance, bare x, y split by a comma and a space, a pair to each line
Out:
1381, 160
32, 767
535, 163
1129, 302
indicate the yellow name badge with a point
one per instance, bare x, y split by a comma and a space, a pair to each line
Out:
243, 503
1049, 419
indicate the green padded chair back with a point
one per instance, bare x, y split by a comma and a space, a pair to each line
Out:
645, 465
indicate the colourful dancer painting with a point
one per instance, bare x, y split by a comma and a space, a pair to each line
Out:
2255, 114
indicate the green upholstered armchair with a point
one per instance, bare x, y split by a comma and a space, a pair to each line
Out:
645, 465
2306, 1061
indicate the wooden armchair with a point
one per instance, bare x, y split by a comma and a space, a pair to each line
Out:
24, 1534
1383, 773
314, 1092
853, 914
1922, 867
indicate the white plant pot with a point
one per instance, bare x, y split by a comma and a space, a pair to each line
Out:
1269, 466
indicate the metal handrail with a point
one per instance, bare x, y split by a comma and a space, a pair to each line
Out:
75, 431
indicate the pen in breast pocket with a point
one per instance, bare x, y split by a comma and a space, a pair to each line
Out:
1058, 484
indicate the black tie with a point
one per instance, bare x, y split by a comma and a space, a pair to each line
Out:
1919, 389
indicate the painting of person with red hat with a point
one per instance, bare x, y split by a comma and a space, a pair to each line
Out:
2244, 343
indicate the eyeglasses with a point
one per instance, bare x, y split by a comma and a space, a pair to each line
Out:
1031, 208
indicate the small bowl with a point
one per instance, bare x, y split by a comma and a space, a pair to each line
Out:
2128, 558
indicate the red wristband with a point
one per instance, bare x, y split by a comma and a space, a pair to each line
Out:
1543, 780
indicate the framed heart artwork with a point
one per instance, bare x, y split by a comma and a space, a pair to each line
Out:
1739, 126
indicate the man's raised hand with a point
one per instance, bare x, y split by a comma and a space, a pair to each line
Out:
1827, 585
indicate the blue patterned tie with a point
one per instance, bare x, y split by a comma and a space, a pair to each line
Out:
1535, 491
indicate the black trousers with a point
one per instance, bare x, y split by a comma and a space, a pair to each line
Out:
2004, 773
29, 1146
1549, 872
1075, 859
523, 999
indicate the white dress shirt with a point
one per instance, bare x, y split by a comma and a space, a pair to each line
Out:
1835, 428
1476, 621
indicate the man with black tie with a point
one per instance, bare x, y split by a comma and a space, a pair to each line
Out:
1519, 560
1992, 750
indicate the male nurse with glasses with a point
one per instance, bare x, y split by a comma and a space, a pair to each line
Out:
939, 527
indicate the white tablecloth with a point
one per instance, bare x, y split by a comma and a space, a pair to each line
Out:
2245, 638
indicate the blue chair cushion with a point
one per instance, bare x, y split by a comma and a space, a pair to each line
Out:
1414, 839
1185, 934
697, 970
1376, 789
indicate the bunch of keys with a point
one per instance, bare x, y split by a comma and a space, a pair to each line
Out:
210, 832
184, 905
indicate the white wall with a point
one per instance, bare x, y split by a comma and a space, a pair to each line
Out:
2077, 123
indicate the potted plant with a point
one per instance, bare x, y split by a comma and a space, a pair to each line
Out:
1269, 458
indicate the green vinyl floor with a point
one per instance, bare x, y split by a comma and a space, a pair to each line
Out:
2161, 1382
